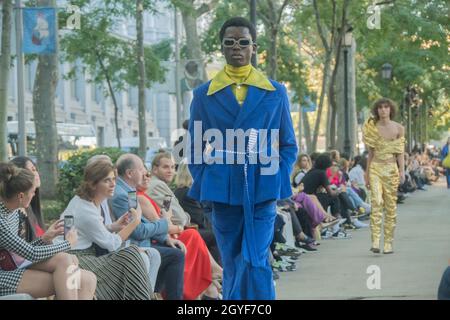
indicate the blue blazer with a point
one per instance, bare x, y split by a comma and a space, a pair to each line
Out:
147, 230
262, 109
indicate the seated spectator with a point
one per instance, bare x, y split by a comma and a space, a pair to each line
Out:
34, 224
316, 182
131, 172
200, 267
40, 269
356, 177
337, 179
196, 210
302, 166
122, 272
163, 171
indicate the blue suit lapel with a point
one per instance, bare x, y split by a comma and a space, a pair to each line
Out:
254, 97
228, 101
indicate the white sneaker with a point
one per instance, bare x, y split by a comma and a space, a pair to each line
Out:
359, 224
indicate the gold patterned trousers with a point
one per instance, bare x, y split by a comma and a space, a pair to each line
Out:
383, 180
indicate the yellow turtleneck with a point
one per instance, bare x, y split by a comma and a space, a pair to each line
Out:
239, 75
239, 78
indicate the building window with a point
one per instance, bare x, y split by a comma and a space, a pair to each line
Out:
120, 133
73, 116
132, 97
96, 93
150, 134
101, 136
76, 84
135, 133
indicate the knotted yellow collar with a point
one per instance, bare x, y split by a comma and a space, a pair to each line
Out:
246, 75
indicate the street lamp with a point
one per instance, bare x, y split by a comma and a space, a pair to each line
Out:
347, 41
386, 71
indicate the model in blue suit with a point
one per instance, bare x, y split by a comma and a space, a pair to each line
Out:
244, 192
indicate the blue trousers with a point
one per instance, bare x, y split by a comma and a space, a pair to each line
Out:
241, 280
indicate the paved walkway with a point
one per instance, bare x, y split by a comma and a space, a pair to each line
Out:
422, 251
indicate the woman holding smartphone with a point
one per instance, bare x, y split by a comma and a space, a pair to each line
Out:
121, 273
51, 269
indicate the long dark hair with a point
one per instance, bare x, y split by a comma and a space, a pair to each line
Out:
34, 210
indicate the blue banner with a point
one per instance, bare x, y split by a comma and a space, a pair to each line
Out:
39, 30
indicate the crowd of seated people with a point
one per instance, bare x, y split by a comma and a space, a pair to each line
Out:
163, 246
330, 198
122, 252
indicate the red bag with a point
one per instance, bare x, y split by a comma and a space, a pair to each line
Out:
7, 262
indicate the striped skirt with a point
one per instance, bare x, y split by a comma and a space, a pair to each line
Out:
121, 275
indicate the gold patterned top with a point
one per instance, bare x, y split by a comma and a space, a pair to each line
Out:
384, 149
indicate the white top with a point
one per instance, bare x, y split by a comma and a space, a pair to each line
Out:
357, 175
88, 221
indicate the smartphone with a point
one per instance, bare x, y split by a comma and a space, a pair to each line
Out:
132, 200
166, 202
68, 224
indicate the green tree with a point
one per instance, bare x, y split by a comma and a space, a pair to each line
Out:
108, 57
44, 113
5, 66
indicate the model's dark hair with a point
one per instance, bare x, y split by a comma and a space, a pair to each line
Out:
379, 103
323, 162
34, 210
238, 22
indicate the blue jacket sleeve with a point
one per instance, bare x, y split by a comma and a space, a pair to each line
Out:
288, 147
195, 144
146, 230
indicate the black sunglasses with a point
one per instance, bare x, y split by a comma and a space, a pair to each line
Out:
230, 42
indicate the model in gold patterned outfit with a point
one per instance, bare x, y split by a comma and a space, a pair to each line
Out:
385, 141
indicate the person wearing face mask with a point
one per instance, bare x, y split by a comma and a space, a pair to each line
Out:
242, 180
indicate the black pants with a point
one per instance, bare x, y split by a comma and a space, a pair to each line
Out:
171, 272
210, 241
305, 222
338, 205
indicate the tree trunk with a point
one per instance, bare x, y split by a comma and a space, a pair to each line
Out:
325, 77
307, 131
5, 66
352, 121
273, 52
113, 97
141, 80
193, 44
45, 117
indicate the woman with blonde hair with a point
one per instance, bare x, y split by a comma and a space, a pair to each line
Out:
301, 167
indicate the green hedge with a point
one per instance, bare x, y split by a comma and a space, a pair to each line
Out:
71, 173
